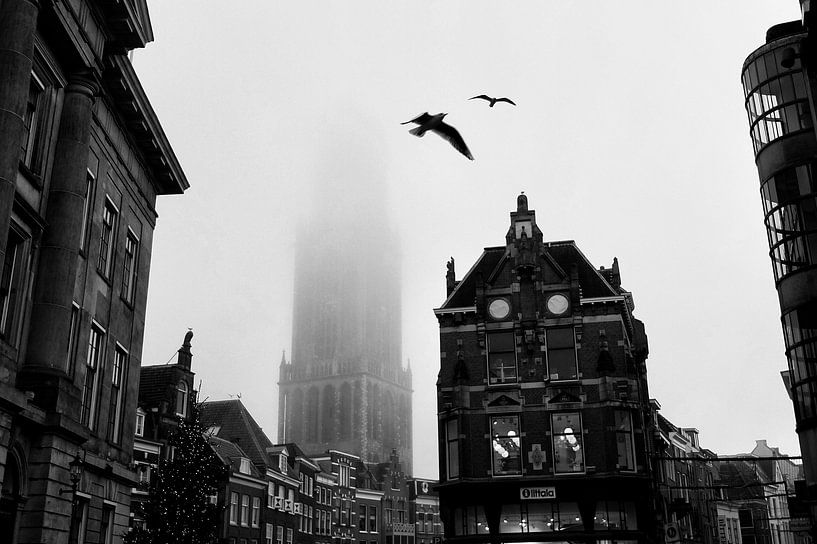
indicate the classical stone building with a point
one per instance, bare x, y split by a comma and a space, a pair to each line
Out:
345, 387
82, 159
544, 416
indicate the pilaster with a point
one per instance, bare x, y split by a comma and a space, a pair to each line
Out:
59, 249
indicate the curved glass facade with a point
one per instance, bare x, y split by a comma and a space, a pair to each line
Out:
776, 98
790, 211
800, 330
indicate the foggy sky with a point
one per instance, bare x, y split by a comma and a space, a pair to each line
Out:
629, 137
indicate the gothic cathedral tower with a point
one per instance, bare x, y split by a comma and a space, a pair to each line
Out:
345, 387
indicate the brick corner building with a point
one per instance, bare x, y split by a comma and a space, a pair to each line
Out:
542, 398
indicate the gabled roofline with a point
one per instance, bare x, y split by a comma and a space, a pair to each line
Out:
468, 274
586, 260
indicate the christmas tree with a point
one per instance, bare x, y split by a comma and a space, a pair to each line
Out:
179, 509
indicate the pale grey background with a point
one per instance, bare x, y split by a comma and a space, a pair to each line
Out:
629, 137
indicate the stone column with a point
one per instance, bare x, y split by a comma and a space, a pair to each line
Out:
18, 21
59, 248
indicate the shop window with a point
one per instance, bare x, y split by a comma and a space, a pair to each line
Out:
568, 454
618, 515
505, 445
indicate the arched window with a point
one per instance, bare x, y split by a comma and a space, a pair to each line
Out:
182, 393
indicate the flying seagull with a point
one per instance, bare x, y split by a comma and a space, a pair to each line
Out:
435, 124
493, 100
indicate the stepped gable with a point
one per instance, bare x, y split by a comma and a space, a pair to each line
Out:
237, 426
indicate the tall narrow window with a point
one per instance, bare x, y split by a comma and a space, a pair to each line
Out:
452, 450
12, 283
107, 237
182, 393
245, 510
140, 423
568, 444
90, 390
501, 357
256, 511
34, 121
87, 208
130, 262
561, 353
624, 440
279, 534
233, 508
373, 519
118, 372
81, 519
73, 330
505, 446
361, 518
106, 525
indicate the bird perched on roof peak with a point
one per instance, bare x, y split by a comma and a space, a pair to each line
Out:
493, 100
435, 124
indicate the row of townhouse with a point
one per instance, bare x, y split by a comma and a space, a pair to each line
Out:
277, 493
725, 499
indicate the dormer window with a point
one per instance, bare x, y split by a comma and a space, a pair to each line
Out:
182, 393
244, 466
282, 462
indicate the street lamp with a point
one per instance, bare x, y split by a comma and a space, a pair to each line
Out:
75, 468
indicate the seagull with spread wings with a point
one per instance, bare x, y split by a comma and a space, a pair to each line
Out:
493, 100
435, 124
